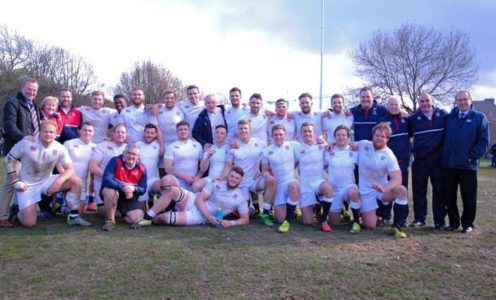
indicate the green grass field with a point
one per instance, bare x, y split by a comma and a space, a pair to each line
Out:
55, 261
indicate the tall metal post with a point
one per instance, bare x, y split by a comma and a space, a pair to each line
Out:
321, 54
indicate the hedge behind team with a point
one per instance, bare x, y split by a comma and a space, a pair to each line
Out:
463, 132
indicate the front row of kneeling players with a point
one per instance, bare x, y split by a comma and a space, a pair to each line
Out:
234, 177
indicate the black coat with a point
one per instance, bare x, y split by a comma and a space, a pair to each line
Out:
17, 121
202, 131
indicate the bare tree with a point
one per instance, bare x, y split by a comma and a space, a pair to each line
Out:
414, 59
53, 66
14, 49
153, 79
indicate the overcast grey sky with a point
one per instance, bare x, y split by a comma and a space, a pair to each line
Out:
267, 46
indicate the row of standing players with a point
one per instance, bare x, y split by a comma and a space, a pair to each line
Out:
426, 126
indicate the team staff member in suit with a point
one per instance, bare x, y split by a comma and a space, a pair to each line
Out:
20, 119
466, 141
212, 116
426, 126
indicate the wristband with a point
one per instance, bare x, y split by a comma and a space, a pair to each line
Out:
233, 223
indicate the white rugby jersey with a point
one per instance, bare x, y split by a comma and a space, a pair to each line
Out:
334, 120
149, 156
374, 165
281, 160
233, 115
314, 117
100, 118
310, 160
186, 155
215, 118
247, 156
258, 126
167, 120
114, 117
104, 152
135, 119
341, 167
81, 155
289, 124
217, 161
190, 111
225, 198
37, 162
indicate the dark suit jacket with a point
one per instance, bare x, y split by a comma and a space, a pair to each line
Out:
17, 121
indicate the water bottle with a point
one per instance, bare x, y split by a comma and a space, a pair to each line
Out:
219, 215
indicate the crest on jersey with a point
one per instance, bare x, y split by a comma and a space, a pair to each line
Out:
177, 113
320, 147
437, 114
187, 106
418, 118
217, 186
256, 144
177, 147
154, 147
33, 148
383, 157
110, 148
367, 148
54, 152
160, 112
272, 122
127, 110
314, 113
287, 147
76, 146
402, 120
351, 154
271, 152
235, 196
302, 152
374, 112
249, 120
194, 145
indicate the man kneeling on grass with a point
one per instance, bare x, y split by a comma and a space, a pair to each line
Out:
124, 180
196, 209
38, 157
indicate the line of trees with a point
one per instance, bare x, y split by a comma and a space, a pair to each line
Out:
55, 67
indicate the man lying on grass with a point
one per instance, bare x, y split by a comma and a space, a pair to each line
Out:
196, 209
